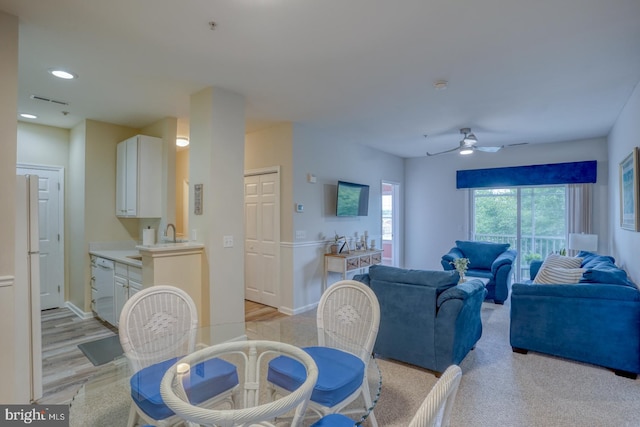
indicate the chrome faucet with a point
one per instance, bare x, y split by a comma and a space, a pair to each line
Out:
166, 231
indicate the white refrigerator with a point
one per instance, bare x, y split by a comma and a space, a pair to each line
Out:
28, 337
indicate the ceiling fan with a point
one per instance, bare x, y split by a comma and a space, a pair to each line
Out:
468, 145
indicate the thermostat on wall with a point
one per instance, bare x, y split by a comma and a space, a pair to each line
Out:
299, 207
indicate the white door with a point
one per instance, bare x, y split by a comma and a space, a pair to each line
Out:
50, 214
262, 238
390, 223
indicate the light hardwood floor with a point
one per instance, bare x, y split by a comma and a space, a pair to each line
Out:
65, 368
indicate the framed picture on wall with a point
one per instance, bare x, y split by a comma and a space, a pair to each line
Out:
629, 197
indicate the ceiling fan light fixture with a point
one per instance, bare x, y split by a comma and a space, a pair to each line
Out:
466, 151
470, 138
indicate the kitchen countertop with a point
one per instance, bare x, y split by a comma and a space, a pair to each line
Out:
122, 251
119, 255
170, 246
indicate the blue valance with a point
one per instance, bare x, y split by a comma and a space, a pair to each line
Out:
552, 174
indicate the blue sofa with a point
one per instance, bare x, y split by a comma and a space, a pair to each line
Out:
489, 260
595, 321
426, 318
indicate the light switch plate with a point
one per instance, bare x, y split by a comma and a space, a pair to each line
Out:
227, 241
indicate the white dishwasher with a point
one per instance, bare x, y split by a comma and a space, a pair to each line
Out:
102, 274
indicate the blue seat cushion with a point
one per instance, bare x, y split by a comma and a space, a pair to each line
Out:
204, 381
339, 374
334, 420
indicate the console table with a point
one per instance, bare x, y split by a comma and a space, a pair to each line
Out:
345, 262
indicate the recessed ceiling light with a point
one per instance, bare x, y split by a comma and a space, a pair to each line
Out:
182, 142
440, 84
28, 116
62, 74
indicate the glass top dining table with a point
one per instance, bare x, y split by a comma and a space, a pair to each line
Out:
104, 400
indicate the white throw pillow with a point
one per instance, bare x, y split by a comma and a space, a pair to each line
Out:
561, 261
546, 276
556, 275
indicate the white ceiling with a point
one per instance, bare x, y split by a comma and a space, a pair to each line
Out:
363, 70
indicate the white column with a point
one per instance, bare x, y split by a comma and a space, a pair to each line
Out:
216, 161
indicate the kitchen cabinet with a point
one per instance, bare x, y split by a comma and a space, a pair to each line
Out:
102, 288
138, 177
127, 281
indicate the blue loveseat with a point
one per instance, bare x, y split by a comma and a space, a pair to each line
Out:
488, 260
426, 318
595, 321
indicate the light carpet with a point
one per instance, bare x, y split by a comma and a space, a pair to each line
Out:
498, 388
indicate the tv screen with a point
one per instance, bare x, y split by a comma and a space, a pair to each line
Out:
352, 200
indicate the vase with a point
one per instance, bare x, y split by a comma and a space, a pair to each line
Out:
462, 279
334, 249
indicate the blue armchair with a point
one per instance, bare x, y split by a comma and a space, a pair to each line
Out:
426, 318
488, 260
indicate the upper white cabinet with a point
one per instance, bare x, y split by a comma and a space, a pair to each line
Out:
138, 177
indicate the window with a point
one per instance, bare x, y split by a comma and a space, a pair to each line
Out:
532, 219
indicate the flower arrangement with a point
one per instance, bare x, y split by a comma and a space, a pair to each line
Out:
461, 265
336, 243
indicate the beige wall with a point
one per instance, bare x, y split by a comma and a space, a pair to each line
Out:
75, 217
182, 199
274, 147
8, 113
43, 145
8, 132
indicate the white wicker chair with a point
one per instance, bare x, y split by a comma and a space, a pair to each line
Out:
435, 410
348, 317
158, 325
253, 355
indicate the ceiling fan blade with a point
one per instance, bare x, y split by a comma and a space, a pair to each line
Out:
442, 152
488, 149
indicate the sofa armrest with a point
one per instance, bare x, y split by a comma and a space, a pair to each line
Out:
505, 258
534, 267
449, 257
461, 291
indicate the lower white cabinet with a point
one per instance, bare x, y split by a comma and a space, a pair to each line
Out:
127, 281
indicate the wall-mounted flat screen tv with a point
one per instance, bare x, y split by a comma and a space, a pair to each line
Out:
352, 200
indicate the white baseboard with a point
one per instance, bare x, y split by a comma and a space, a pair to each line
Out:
81, 314
289, 312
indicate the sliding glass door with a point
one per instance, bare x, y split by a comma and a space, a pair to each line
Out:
532, 219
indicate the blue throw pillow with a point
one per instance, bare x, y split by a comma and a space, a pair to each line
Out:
606, 274
590, 260
481, 254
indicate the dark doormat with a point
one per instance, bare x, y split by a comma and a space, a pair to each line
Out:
103, 350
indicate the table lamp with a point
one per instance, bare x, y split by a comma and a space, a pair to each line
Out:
583, 242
